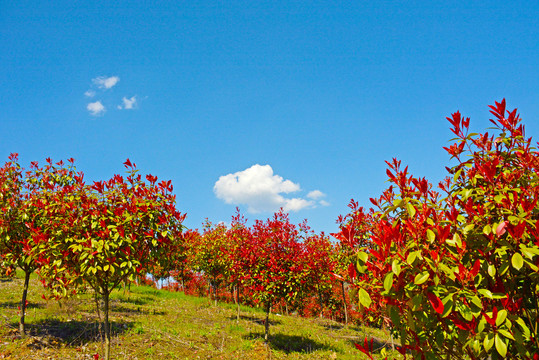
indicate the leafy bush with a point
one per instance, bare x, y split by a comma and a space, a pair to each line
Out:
457, 275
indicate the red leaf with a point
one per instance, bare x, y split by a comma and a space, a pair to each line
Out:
436, 303
365, 349
352, 271
461, 324
500, 230
476, 268
401, 349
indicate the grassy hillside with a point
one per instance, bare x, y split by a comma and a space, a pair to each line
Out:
153, 324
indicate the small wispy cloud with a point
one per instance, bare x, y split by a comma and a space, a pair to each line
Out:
324, 203
128, 104
96, 108
89, 93
315, 194
318, 195
104, 82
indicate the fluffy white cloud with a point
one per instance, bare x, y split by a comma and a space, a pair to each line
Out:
96, 108
128, 104
259, 189
103, 82
89, 93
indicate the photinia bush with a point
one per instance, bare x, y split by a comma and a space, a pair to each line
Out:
271, 263
458, 276
107, 233
22, 193
208, 251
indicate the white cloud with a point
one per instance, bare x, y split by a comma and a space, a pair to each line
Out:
259, 189
128, 104
89, 93
96, 108
315, 194
318, 195
103, 82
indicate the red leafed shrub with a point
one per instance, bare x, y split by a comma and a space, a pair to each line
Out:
458, 273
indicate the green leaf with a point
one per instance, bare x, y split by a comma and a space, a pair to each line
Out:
517, 261
502, 314
421, 278
468, 228
485, 292
411, 257
411, 209
506, 333
388, 282
364, 298
431, 236
363, 256
395, 267
492, 270
488, 342
394, 314
448, 305
529, 252
501, 347
525, 329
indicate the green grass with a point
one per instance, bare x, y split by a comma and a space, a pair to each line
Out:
154, 324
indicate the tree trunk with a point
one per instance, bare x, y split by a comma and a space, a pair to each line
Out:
22, 329
266, 324
321, 303
237, 299
344, 304
106, 325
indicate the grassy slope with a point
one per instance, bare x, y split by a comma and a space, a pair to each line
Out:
153, 324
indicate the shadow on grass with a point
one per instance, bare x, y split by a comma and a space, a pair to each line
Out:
71, 333
335, 326
291, 343
138, 300
138, 310
16, 304
340, 326
257, 320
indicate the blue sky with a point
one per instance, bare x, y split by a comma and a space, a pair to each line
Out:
260, 103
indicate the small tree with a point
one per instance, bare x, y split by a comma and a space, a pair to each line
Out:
22, 193
238, 235
270, 263
319, 266
114, 231
209, 255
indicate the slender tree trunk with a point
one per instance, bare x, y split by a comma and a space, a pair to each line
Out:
107, 325
22, 329
266, 324
237, 299
321, 302
344, 304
